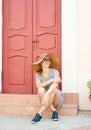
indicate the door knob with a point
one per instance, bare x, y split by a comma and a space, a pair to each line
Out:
33, 41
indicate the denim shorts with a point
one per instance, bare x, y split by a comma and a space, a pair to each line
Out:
47, 87
61, 99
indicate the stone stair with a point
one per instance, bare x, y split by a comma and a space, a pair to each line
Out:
29, 104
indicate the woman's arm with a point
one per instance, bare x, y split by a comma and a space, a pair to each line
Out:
44, 84
48, 82
58, 79
54, 85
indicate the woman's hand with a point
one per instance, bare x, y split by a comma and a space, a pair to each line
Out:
56, 79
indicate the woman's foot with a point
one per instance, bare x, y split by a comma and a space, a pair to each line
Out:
36, 119
55, 116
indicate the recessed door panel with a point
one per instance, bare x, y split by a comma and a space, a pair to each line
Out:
17, 51
30, 27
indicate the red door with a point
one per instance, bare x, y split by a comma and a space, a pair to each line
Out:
30, 27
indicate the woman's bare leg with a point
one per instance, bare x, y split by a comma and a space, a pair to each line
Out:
48, 98
41, 93
56, 98
52, 107
55, 94
44, 102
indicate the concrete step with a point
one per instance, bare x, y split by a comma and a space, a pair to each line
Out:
29, 104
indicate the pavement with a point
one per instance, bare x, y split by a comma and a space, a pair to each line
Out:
23, 122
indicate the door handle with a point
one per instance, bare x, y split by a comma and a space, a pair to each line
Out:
34, 41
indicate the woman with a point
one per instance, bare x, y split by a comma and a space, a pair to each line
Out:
47, 80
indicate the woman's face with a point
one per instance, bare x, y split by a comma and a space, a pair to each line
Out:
46, 62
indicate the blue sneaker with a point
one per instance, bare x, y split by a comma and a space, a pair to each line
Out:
36, 119
55, 116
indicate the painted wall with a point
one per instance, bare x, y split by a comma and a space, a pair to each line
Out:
76, 48
84, 51
69, 46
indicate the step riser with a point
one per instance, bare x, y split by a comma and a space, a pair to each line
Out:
34, 109
29, 104
19, 99
69, 98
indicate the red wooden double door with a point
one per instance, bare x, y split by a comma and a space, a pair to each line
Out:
30, 27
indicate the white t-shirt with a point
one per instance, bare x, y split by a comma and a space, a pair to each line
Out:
52, 73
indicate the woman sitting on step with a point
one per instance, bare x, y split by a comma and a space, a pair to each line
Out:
47, 80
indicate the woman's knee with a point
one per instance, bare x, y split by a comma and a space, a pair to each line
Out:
54, 86
41, 91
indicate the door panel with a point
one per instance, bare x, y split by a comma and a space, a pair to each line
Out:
47, 27
46, 12
15, 9
17, 46
30, 27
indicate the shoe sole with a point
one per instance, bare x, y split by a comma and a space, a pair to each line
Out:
55, 119
36, 122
